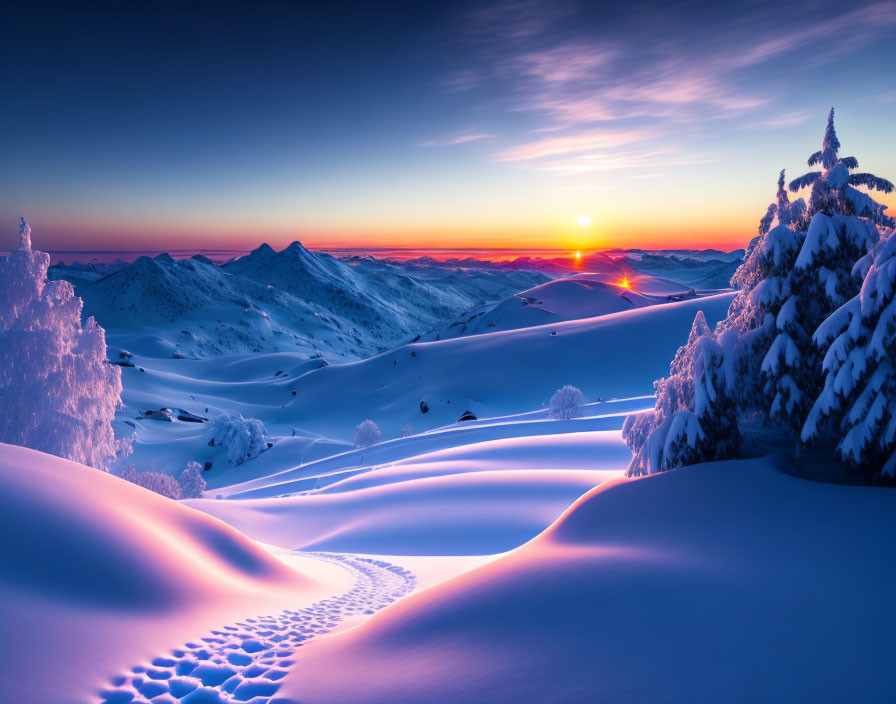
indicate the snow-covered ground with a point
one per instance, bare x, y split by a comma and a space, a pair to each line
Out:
732, 582
516, 579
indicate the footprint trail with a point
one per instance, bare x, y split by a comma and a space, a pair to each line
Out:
244, 663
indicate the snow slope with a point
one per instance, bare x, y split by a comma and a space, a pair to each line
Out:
721, 582
611, 356
494, 375
578, 296
96, 572
479, 498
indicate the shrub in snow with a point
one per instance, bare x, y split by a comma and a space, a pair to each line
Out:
366, 434
407, 430
191, 482
154, 481
242, 438
59, 393
566, 403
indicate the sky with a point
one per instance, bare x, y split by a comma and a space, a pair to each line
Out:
428, 124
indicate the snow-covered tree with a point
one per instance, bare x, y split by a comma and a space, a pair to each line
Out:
695, 416
843, 228
833, 187
566, 403
242, 438
192, 485
782, 211
407, 430
58, 394
163, 484
796, 304
857, 407
367, 433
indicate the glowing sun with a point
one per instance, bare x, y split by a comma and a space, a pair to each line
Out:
584, 220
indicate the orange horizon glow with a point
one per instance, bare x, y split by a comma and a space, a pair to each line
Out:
718, 226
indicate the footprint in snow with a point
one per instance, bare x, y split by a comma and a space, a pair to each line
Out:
245, 662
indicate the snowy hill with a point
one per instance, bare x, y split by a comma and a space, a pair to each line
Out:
97, 571
610, 356
584, 295
629, 598
495, 375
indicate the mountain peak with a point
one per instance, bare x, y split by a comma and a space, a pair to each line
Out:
263, 248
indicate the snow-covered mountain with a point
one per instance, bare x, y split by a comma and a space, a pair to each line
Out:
292, 300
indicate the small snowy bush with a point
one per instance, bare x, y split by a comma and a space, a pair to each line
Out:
407, 430
566, 403
242, 438
154, 481
191, 482
366, 434
58, 392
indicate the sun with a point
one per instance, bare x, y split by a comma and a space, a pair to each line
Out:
584, 220
578, 255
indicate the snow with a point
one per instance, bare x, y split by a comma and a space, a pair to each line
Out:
98, 572
466, 499
294, 300
583, 295
627, 597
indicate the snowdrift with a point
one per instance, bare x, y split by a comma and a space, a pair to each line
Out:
96, 572
720, 582
476, 499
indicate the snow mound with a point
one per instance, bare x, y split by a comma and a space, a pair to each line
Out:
710, 583
97, 571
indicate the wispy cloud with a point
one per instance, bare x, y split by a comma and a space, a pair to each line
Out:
790, 119
600, 81
571, 144
456, 139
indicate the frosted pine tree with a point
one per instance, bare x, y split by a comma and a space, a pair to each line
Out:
857, 407
843, 228
58, 394
782, 211
680, 431
695, 416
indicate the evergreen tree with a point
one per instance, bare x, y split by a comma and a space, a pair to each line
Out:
58, 394
858, 404
843, 228
695, 417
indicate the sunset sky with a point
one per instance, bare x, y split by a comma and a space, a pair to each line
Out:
425, 124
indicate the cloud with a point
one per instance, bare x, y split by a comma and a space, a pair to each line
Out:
629, 159
571, 144
790, 119
631, 75
456, 139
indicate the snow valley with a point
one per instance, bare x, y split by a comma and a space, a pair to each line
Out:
624, 476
